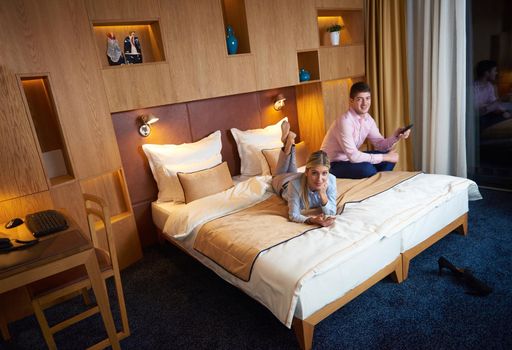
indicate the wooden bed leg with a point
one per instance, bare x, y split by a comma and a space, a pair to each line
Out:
304, 332
397, 274
160, 237
405, 266
463, 228
4, 329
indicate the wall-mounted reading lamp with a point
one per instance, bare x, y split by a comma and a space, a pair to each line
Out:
279, 102
145, 120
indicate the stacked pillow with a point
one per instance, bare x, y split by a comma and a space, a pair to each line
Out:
166, 161
271, 156
251, 142
181, 171
205, 182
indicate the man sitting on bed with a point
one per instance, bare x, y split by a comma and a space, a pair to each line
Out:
349, 132
490, 109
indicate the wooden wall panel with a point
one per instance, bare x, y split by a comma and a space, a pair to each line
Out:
69, 197
109, 187
138, 86
172, 127
310, 109
122, 9
303, 22
23, 42
241, 112
21, 206
273, 43
22, 171
336, 99
337, 4
197, 54
270, 116
341, 62
77, 88
126, 239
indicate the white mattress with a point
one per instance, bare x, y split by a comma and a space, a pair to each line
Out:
353, 266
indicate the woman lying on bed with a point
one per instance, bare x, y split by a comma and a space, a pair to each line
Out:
315, 188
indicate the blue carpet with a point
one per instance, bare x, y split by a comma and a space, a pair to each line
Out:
175, 303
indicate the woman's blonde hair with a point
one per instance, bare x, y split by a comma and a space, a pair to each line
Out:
315, 159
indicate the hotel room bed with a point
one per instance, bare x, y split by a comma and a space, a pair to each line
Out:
305, 279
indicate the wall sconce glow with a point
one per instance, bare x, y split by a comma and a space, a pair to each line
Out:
146, 120
279, 102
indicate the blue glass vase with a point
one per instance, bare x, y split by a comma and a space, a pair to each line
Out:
304, 75
231, 41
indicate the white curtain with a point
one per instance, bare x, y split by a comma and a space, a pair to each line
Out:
437, 67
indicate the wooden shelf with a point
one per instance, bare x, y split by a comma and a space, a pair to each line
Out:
351, 19
61, 180
46, 126
147, 31
233, 12
309, 61
310, 81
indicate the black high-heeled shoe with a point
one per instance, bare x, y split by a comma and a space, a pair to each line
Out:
475, 286
443, 263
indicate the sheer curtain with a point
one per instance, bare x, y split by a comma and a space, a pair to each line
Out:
437, 62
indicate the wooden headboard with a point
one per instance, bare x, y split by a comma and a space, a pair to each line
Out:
189, 122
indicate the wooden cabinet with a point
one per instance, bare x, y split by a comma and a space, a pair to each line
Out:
53, 99
138, 86
277, 30
198, 59
341, 62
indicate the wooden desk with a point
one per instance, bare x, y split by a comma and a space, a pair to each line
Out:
53, 254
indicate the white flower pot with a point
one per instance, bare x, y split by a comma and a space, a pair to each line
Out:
335, 38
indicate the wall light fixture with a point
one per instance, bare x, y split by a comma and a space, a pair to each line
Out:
279, 102
145, 121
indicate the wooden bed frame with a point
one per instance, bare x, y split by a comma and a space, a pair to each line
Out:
398, 269
188, 122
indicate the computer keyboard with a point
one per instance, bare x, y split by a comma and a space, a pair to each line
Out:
45, 222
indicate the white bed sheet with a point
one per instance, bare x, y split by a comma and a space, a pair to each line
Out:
368, 250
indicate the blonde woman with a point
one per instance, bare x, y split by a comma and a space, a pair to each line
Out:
315, 188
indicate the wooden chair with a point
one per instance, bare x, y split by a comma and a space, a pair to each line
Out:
54, 289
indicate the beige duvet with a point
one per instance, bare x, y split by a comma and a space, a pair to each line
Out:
234, 241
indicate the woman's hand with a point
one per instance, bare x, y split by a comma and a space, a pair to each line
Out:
322, 192
322, 220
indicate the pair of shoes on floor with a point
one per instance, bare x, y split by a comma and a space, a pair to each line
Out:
475, 286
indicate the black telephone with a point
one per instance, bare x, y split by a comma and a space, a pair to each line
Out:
405, 128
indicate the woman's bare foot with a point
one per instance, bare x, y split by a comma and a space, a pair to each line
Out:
290, 141
285, 129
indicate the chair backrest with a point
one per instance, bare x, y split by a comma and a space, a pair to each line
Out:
97, 208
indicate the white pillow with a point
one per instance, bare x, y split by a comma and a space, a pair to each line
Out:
251, 142
166, 161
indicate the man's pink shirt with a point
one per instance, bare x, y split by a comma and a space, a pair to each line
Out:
349, 132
